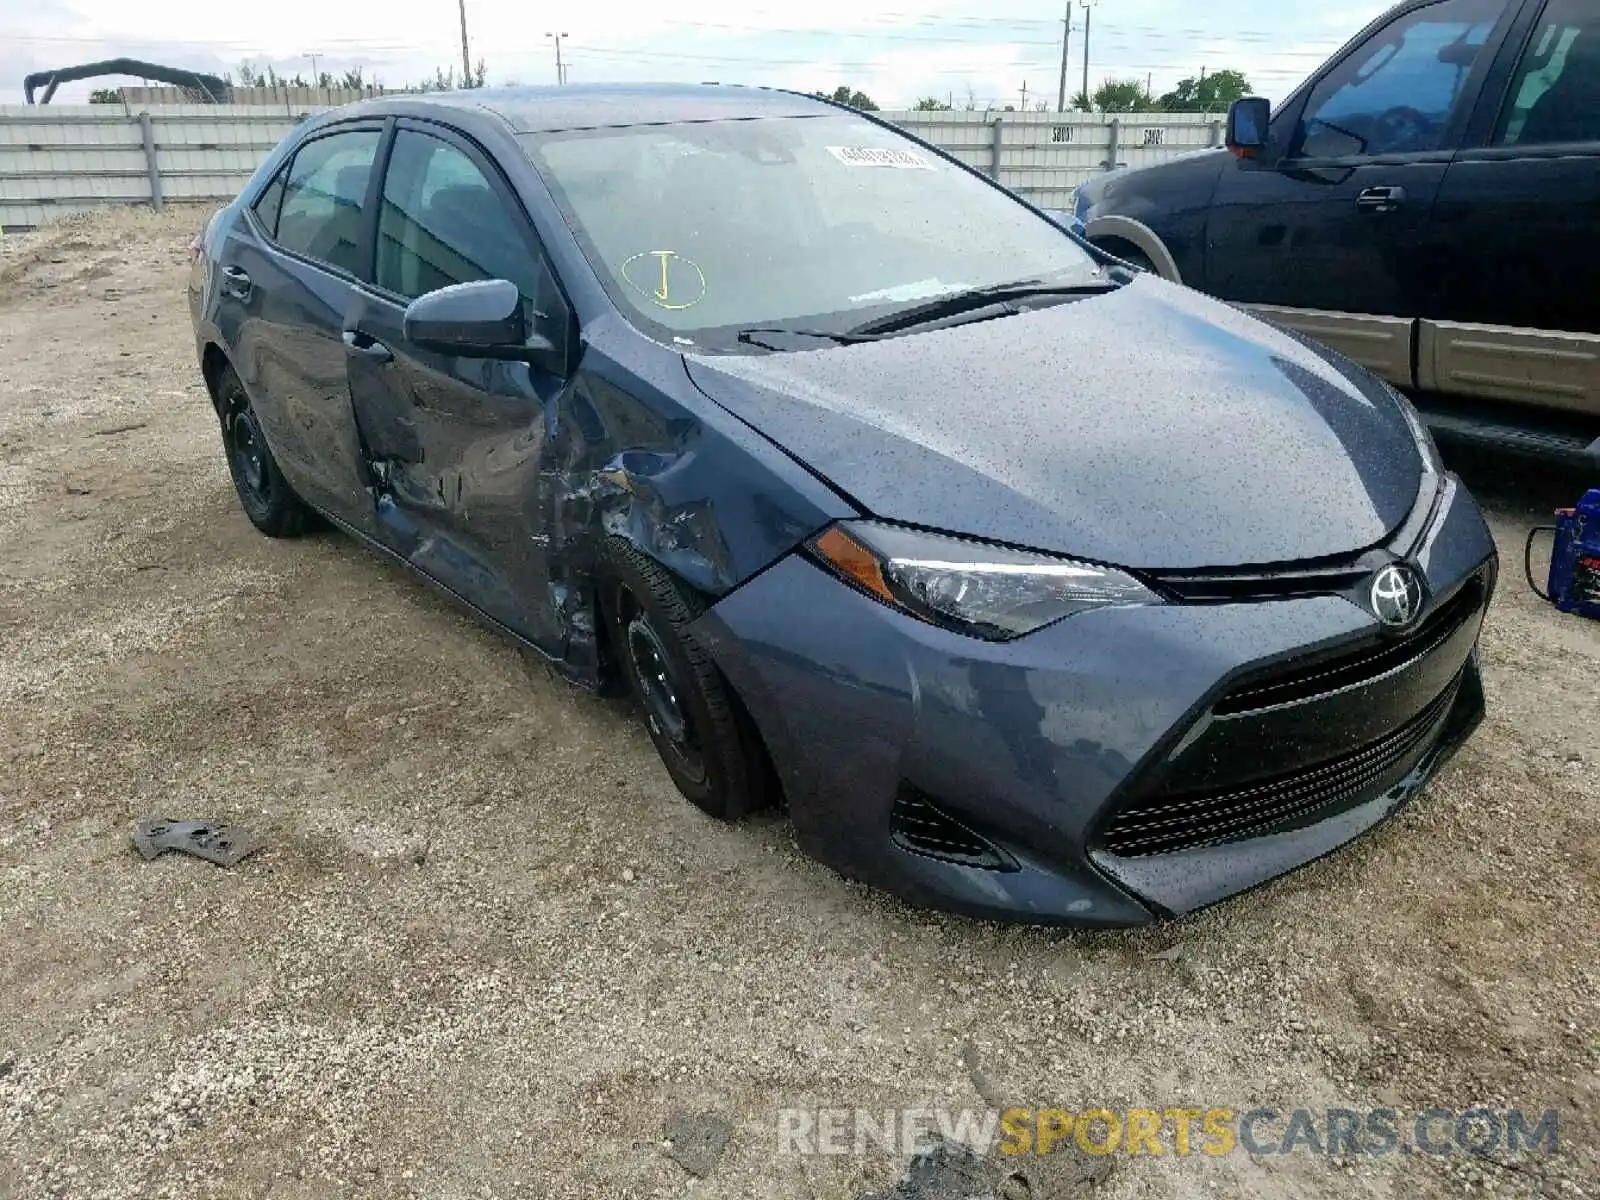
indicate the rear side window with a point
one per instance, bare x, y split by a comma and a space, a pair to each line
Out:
442, 223
1555, 95
1396, 92
320, 215
269, 202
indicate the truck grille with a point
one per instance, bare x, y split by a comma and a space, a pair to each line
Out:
1166, 822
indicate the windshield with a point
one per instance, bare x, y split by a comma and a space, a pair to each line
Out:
701, 229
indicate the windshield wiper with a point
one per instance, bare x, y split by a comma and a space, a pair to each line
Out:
751, 337
953, 304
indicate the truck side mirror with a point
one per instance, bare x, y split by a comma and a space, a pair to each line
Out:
1247, 126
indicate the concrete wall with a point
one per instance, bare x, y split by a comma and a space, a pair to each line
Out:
1043, 156
60, 158
294, 99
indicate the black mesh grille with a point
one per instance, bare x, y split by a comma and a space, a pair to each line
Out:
1228, 587
1350, 668
1165, 822
918, 825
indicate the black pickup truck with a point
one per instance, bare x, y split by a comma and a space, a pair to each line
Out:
1428, 203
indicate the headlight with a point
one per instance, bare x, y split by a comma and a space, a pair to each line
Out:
973, 588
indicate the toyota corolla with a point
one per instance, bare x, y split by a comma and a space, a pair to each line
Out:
1033, 586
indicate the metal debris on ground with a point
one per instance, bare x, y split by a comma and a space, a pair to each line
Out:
225, 845
944, 1170
696, 1140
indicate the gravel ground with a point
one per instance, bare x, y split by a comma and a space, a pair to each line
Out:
488, 951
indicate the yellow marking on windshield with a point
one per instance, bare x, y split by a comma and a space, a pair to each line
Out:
661, 292
676, 282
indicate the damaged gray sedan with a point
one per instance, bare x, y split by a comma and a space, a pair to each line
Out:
1035, 587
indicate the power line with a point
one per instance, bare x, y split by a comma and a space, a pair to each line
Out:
1144, 34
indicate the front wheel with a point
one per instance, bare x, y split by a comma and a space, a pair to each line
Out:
264, 494
698, 728
1133, 256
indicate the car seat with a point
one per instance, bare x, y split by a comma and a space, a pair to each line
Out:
1570, 110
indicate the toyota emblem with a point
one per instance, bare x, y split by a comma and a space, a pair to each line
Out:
1396, 595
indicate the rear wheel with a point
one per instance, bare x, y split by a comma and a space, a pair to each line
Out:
264, 494
695, 721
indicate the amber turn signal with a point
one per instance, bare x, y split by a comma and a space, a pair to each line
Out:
854, 561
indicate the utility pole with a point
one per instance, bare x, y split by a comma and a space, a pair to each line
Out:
1024, 95
314, 75
466, 58
561, 72
1066, 39
1088, 12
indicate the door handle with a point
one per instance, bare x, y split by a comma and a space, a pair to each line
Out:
1381, 199
236, 283
366, 346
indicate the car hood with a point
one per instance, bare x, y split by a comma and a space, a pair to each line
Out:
1149, 427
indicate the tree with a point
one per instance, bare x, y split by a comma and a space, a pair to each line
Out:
1124, 96
1210, 93
930, 104
844, 94
352, 80
106, 96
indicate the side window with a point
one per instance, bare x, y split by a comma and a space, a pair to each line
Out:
269, 202
1555, 94
1395, 93
442, 223
320, 215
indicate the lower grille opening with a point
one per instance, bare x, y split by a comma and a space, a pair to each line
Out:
917, 824
1171, 821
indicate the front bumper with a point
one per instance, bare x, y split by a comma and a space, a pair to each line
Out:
1037, 747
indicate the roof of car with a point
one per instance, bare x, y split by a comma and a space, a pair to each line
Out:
595, 106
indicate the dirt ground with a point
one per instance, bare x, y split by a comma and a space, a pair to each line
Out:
488, 951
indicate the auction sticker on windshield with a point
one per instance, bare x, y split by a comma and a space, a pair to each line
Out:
876, 156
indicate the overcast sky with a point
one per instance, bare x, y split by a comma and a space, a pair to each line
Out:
894, 50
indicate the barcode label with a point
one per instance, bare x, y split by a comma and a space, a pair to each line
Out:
876, 156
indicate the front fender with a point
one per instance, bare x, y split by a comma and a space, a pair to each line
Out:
638, 453
1139, 234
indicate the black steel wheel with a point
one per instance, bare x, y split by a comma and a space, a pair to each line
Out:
264, 494
704, 738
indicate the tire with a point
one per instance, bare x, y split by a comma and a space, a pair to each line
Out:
264, 494
1133, 256
701, 732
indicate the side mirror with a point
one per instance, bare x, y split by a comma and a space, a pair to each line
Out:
1247, 126
482, 319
